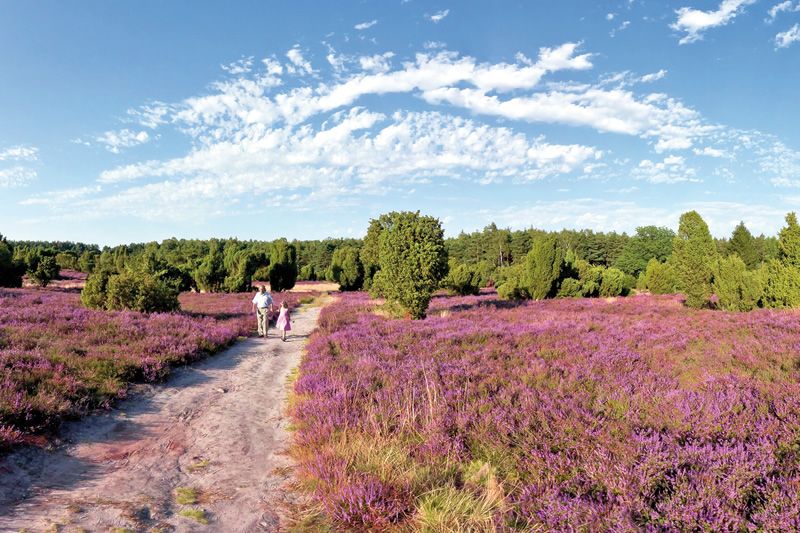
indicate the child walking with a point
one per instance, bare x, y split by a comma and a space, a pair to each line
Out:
284, 323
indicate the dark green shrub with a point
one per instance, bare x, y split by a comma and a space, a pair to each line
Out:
42, 268
570, 288
613, 283
737, 288
462, 280
694, 256
544, 266
307, 273
282, 265
11, 271
781, 285
658, 278
93, 294
140, 292
346, 268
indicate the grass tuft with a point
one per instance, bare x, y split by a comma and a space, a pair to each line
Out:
198, 515
185, 496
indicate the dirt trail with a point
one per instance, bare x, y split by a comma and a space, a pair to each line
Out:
217, 427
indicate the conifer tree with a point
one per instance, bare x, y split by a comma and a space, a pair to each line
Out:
743, 244
789, 242
544, 267
694, 255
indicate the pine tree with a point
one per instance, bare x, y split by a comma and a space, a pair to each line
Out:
694, 255
743, 244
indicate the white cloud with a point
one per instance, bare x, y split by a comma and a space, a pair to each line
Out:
366, 148
365, 25
695, 22
784, 7
672, 169
625, 23
788, 37
115, 141
438, 16
610, 16
16, 176
241, 66
655, 76
150, 116
298, 64
255, 140
710, 152
19, 153
63, 197
377, 62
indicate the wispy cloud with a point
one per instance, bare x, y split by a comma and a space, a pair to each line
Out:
115, 141
365, 25
784, 7
241, 66
19, 153
787, 38
672, 169
16, 176
439, 16
298, 64
694, 22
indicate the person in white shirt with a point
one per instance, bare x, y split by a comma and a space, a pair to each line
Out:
262, 306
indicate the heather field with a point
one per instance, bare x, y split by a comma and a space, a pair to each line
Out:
572, 414
59, 359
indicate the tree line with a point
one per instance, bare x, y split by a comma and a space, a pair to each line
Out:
404, 257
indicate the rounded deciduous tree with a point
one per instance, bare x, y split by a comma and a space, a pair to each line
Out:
694, 255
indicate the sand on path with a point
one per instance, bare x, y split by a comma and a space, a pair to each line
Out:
218, 426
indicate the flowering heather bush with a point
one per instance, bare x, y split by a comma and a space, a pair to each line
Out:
60, 359
618, 414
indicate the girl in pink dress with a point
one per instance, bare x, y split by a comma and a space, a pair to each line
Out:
284, 323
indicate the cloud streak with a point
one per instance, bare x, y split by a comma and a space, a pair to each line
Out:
694, 22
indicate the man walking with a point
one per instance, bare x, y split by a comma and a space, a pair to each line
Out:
262, 305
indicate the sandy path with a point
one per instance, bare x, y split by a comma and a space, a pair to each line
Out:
218, 427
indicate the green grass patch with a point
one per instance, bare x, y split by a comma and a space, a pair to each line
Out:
198, 515
185, 496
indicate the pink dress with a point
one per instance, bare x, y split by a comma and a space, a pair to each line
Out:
284, 323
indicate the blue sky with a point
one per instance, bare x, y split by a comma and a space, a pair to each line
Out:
137, 121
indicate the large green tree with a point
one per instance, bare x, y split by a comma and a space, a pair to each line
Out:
648, 243
412, 260
694, 255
